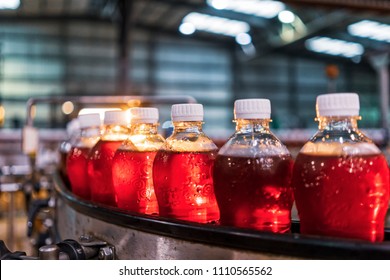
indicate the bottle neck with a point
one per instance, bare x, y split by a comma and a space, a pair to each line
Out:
114, 132
144, 128
255, 125
187, 126
338, 123
90, 132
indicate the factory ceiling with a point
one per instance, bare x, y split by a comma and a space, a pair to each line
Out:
306, 30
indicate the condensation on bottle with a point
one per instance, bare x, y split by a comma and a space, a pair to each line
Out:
132, 168
115, 131
76, 162
340, 177
182, 169
252, 172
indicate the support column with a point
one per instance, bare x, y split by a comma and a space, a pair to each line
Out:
124, 39
292, 89
151, 64
237, 87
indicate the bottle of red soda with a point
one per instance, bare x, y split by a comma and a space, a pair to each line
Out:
340, 177
252, 172
133, 163
76, 161
182, 169
115, 131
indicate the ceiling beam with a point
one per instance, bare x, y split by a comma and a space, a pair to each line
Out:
223, 41
12, 18
381, 6
206, 9
313, 28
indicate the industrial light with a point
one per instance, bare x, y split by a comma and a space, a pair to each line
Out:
2, 115
218, 4
334, 47
261, 8
67, 107
243, 39
9, 4
187, 28
286, 17
215, 24
370, 29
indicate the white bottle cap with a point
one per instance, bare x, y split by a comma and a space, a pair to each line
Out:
115, 117
256, 108
337, 104
89, 120
187, 112
143, 115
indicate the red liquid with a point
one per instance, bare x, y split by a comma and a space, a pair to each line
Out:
62, 167
100, 172
133, 181
254, 192
76, 165
184, 185
342, 196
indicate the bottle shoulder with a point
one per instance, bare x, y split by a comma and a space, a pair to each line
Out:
335, 148
86, 142
255, 144
340, 142
189, 142
346, 135
143, 143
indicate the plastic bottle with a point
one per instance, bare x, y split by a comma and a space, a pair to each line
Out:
340, 178
72, 131
76, 163
182, 169
115, 131
252, 172
133, 163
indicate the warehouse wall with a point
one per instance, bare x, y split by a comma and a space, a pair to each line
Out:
81, 58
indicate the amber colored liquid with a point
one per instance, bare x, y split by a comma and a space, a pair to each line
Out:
184, 185
254, 192
76, 165
133, 181
342, 196
100, 172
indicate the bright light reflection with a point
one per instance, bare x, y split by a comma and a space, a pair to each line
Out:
199, 200
334, 47
218, 4
187, 28
243, 39
217, 25
9, 4
2, 115
261, 8
286, 17
370, 29
67, 107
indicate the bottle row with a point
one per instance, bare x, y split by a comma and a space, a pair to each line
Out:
339, 180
